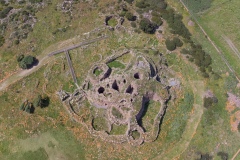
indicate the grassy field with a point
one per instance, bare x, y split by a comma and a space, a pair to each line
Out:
214, 134
187, 129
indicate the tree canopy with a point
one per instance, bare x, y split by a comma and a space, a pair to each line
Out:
147, 26
25, 62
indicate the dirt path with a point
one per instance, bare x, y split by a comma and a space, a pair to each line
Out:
232, 46
23, 73
235, 155
192, 124
44, 58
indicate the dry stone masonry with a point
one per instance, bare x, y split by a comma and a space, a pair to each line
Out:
121, 92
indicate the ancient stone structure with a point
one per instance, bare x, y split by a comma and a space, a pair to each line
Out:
125, 91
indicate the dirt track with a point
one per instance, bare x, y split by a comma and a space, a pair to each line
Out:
43, 59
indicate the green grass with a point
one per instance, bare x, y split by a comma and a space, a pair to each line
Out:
100, 124
199, 5
116, 64
112, 22
97, 72
118, 130
39, 154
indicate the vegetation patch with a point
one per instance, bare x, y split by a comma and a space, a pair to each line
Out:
97, 71
100, 124
116, 64
112, 22
198, 5
118, 129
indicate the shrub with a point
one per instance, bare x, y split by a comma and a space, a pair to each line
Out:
129, 1
209, 101
26, 62
157, 20
35, 1
2, 40
171, 46
5, 12
177, 42
130, 16
142, 4
147, 26
20, 58
41, 101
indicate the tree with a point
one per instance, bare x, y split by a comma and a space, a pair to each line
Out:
142, 4
177, 42
2, 40
26, 62
157, 20
147, 26
41, 101
171, 46
37, 101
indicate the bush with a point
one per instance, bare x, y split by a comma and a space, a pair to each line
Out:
171, 46
5, 12
178, 42
157, 20
147, 26
20, 58
142, 4
208, 102
26, 62
2, 40
41, 101
129, 1
35, 1
27, 107
130, 16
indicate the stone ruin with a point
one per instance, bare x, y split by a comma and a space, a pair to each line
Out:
123, 95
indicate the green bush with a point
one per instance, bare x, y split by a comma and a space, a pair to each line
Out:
2, 40
35, 1
171, 46
157, 20
25, 62
209, 101
129, 1
41, 101
130, 16
142, 4
147, 26
178, 42
20, 58
5, 12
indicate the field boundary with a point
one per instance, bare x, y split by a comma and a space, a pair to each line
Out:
210, 40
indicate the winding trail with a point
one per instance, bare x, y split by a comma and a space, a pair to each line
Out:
232, 46
23, 73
